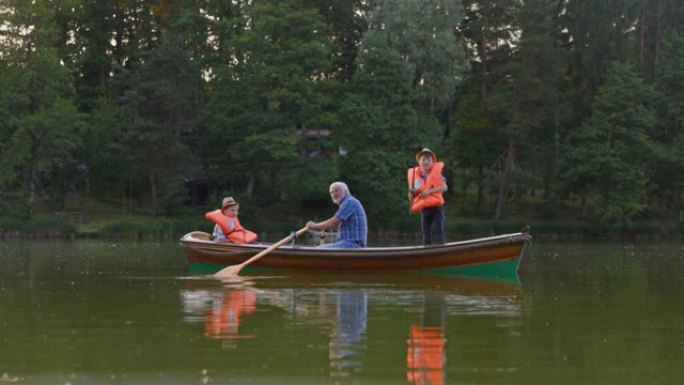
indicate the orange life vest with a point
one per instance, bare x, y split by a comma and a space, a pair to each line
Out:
425, 355
434, 179
223, 321
231, 227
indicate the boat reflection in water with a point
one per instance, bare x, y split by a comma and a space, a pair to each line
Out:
408, 313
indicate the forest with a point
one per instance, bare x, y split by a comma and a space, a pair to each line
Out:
546, 109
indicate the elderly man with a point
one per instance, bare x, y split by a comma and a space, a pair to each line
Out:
350, 218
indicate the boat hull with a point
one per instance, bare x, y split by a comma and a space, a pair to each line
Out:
498, 253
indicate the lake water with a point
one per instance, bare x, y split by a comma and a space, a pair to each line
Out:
96, 312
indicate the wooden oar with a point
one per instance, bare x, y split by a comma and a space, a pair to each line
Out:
233, 270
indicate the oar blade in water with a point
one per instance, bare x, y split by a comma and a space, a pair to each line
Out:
230, 271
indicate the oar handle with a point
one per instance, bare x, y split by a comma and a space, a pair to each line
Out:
233, 270
274, 246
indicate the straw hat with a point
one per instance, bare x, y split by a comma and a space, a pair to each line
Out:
228, 201
426, 150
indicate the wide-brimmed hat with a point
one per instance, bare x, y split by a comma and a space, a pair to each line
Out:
228, 201
426, 150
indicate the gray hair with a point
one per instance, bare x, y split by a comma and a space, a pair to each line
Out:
341, 185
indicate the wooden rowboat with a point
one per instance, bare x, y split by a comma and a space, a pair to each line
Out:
495, 256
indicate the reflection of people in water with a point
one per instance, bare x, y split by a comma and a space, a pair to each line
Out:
425, 355
348, 332
223, 319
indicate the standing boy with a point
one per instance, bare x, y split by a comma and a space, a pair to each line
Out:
426, 186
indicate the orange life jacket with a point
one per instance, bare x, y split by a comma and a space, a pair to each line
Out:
223, 321
231, 227
434, 179
425, 355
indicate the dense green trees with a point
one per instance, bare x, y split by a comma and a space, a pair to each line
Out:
610, 155
378, 125
668, 181
40, 123
574, 104
272, 83
161, 104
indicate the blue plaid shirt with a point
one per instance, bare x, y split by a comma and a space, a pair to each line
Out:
354, 224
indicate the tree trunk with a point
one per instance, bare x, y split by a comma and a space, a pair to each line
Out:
153, 192
251, 181
681, 205
480, 190
552, 172
660, 12
32, 182
130, 196
504, 170
483, 81
641, 30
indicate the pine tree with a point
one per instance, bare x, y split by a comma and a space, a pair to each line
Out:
608, 159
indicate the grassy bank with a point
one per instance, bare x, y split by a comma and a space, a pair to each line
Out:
157, 228
81, 218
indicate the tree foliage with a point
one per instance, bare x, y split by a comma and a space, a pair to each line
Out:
378, 111
40, 129
145, 101
609, 155
271, 88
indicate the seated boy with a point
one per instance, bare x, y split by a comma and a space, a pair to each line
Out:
228, 226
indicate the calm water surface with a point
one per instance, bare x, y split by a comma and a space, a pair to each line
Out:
91, 312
